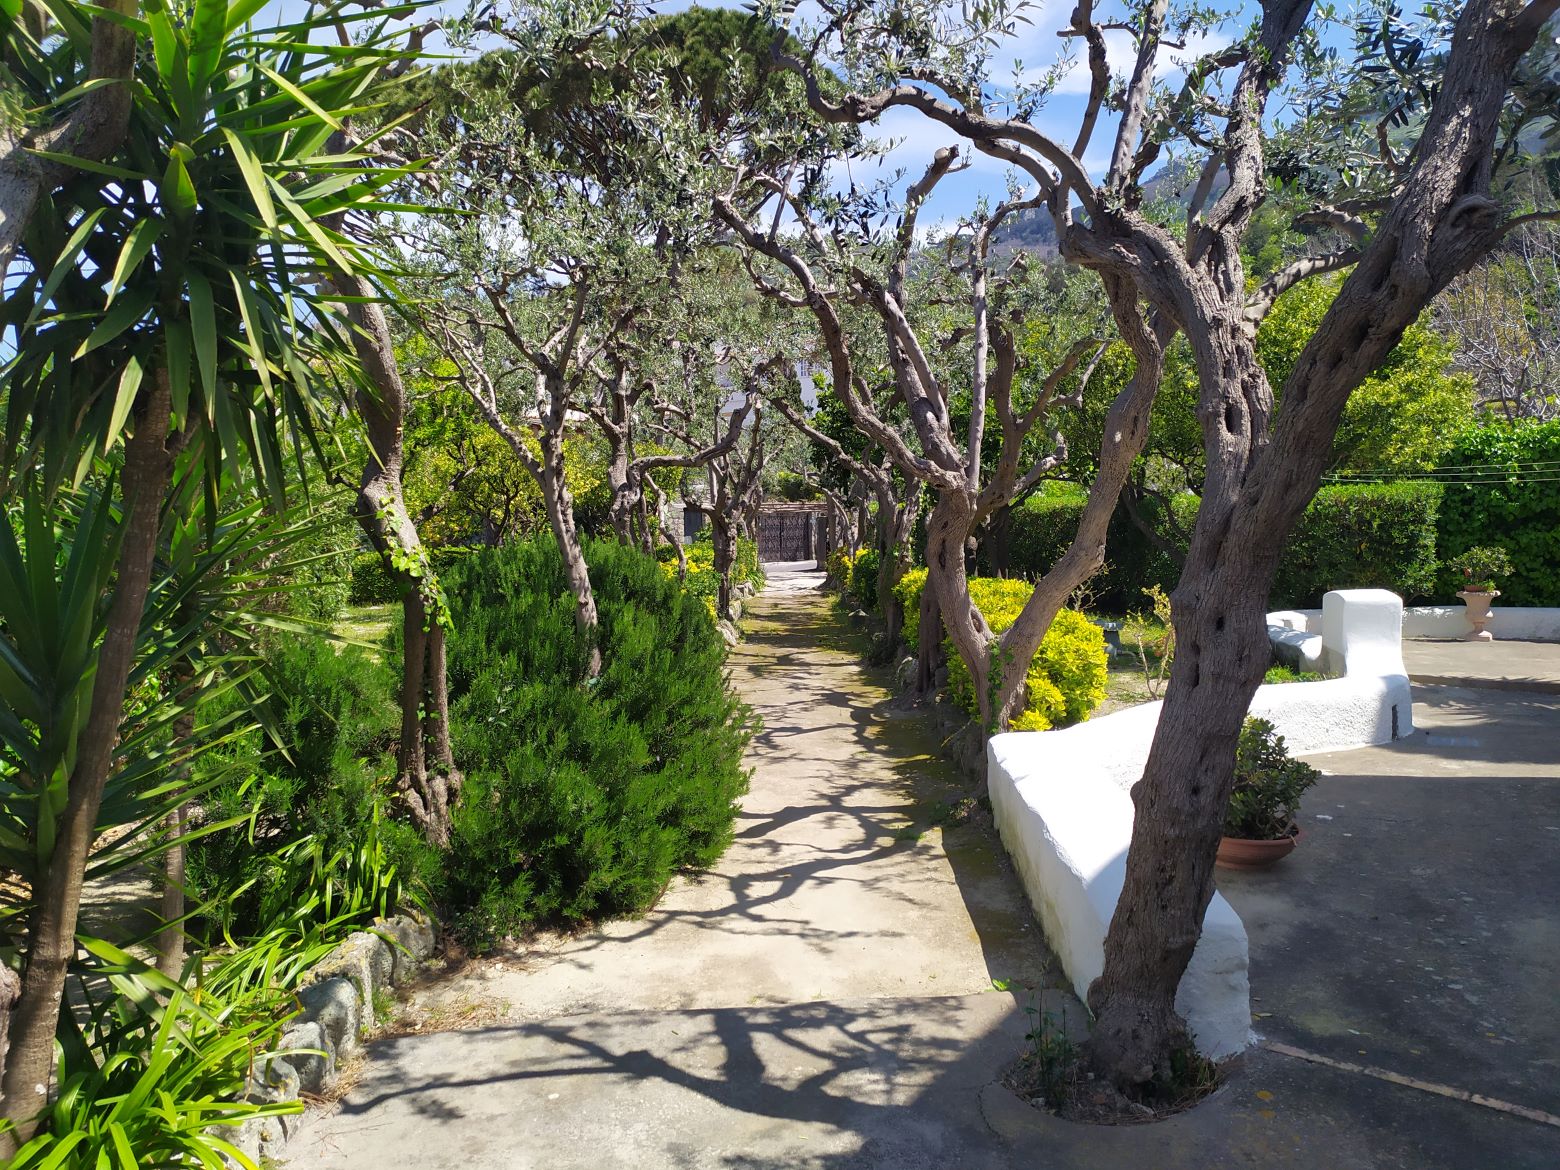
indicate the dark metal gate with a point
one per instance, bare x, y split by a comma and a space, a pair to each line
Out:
786, 533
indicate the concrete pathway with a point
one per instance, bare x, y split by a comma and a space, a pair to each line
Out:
1417, 926
803, 992
822, 1001
1504, 664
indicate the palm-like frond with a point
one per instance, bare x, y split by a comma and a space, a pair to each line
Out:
203, 247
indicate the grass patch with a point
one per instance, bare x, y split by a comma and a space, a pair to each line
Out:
1286, 674
369, 625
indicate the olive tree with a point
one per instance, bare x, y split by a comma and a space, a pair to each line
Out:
575, 157
840, 260
1416, 219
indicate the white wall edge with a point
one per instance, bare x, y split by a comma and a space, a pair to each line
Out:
1518, 623
1061, 802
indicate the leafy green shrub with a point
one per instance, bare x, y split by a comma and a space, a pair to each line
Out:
745, 569
371, 583
582, 798
1511, 503
908, 591
1066, 679
1358, 536
334, 712
702, 580
317, 583
1269, 783
864, 578
795, 488
1042, 526
1481, 568
837, 566
748, 569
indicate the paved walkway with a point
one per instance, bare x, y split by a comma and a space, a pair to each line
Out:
1503, 664
1417, 926
822, 1001
790, 1005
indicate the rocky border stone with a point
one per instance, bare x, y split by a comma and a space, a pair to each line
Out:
337, 1000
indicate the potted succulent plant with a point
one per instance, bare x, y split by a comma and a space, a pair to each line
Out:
1259, 821
1480, 569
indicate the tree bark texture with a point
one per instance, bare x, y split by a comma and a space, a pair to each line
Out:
170, 939
427, 786
947, 529
559, 502
93, 129
147, 472
1260, 479
929, 651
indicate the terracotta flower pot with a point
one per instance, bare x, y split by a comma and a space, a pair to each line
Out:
1478, 602
1247, 853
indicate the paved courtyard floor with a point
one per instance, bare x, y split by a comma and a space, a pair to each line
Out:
824, 998
1417, 926
1500, 665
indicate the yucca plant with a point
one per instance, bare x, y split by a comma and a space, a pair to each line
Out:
157, 1072
167, 299
221, 571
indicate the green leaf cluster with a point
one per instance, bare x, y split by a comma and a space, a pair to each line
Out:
1509, 500
864, 579
1065, 681
582, 798
319, 778
1363, 536
1269, 783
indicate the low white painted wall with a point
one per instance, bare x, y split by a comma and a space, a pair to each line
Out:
1290, 627
1061, 801
1517, 622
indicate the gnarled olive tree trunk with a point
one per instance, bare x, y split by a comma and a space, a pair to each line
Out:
559, 501
426, 776
1261, 476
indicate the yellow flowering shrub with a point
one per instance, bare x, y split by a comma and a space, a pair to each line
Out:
838, 566
1066, 679
702, 580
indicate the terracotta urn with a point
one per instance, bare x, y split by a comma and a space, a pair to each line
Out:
1478, 602
1247, 853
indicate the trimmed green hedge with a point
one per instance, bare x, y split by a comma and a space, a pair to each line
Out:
1352, 536
1520, 512
1042, 526
1362, 536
